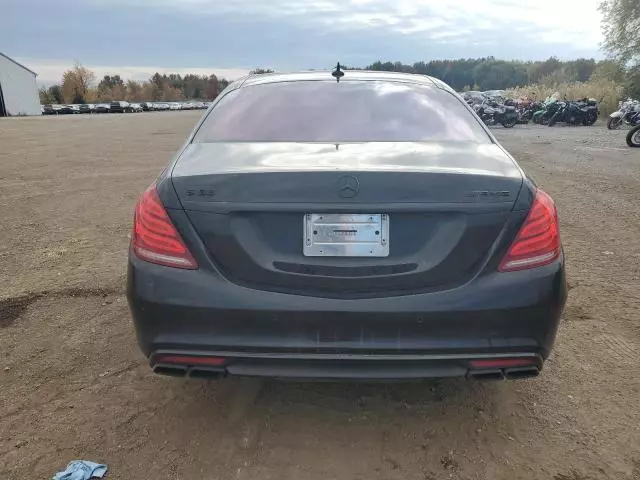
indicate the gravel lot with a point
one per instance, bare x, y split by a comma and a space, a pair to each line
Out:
73, 383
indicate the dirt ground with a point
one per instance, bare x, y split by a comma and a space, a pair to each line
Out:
73, 383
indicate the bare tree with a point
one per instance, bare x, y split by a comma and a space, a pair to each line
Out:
76, 83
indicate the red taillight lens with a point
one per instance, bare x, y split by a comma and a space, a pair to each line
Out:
538, 241
502, 362
154, 237
190, 360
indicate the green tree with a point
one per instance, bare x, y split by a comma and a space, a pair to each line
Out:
621, 28
55, 94
549, 68
109, 82
212, 88
498, 74
222, 84
632, 83
111, 88
609, 70
157, 82
133, 91
579, 70
488, 73
45, 98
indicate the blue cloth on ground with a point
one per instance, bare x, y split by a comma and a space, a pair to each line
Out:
81, 470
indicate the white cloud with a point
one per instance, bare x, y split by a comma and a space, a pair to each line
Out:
290, 34
50, 71
571, 22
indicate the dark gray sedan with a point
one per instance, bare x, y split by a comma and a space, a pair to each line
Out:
370, 228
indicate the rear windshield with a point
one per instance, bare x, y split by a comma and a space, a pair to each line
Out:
349, 111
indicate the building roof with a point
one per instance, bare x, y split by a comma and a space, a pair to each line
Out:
19, 64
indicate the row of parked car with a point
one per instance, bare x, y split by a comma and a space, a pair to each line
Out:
121, 107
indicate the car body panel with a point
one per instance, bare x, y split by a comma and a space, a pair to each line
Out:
219, 157
501, 315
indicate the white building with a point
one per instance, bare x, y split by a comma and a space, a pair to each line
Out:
18, 89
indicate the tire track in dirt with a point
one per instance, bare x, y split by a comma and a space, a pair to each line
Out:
13, 307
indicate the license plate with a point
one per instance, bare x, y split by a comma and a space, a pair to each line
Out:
346, 235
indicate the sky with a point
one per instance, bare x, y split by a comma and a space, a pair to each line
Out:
135, 38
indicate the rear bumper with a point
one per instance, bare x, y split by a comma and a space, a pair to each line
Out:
259, 333
344, 367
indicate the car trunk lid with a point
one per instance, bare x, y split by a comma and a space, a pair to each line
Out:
445, 204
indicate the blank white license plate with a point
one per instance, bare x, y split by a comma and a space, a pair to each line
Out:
346, 235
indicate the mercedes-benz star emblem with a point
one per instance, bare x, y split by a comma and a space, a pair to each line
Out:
348, 186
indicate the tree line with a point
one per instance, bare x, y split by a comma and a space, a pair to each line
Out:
79, 86
493, 74
79, 83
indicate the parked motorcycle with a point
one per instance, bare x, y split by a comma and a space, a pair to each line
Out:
492, 113
521, 109
584, 111
549, 108
526, 110
473, 98
546, 109
627, 114
633, 137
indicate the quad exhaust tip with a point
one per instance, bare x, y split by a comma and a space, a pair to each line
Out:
193, 366
208, 374
486, 375
504, 368
170, 370
181, 371
521, 372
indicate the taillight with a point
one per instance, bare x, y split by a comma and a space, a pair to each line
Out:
154, 238
538, 241
189, 360
502, 362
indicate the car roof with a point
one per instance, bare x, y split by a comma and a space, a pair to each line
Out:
349, 75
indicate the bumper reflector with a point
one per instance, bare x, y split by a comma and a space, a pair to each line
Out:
190, 360
502, 362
